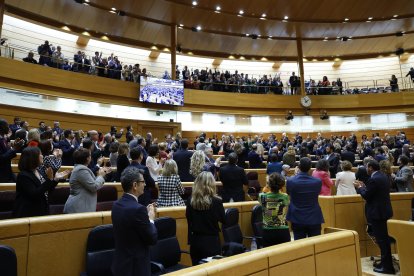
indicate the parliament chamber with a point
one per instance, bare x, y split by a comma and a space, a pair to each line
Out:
353, 80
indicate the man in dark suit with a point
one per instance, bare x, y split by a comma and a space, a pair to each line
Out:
304, 211
67, 148
348, 155
255, 161
136, 159
233, 179
332, 159
183, 159
134, 229
378, 209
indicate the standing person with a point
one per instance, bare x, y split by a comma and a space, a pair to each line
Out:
322, 172
394, 84
274, 165
134, 229
289, 157
411, 74
31, 187
304, 211
152, 165
68, 148
378, 209
204, 211
404, 177
7, 153
233, 179
345, 180
274, 206
83, 184
170, 186
333, 160
122, 161
293, 80
183, 159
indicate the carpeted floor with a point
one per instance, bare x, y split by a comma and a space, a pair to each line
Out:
367, 268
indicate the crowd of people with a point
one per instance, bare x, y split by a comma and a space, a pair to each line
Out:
143, 161
200, 79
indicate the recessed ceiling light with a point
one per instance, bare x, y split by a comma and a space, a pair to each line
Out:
241, 12
270, 36
113, 9
284, 20
218, 8
368, 21
195, 3
395, 15
393, 18
286, 17
263, 15
86, 4
370, 18
198, 28
259, 35
87, 1
181, 25
247, 34
262, 18
346, 19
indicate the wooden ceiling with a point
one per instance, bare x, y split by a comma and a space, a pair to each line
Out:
222, 34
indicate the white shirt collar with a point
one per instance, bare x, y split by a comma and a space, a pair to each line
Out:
133, 196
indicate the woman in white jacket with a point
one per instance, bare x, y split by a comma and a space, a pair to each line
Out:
345, 180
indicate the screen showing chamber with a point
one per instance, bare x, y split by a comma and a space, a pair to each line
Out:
161, 91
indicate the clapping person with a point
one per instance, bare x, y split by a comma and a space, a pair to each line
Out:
7, 153
52, 158
151, 163
122, 161
31, 186
83, 184
170, 186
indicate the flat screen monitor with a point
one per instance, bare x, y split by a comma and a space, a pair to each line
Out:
161, 91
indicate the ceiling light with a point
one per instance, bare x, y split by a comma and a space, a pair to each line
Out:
368, 21
393, 18
247, 34
218, 8
195, 3
263, 15
346, 19
181, 25
113, 9
262, 18
198, 28
395, 15
284, 21
86, 4
259, 35
87, 1
370, 18
286, 17
241, 12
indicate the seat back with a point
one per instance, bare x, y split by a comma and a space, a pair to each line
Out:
412, 209
57, 199
8, 261
167, 249
106, 196
231, 228
7, 199
100, 249
257, 223
252, 176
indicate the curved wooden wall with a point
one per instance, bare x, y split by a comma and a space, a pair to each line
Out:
49, 81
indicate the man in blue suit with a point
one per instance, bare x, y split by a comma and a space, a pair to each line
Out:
67, 148
378, 209
183, 159
304, 211
134, 229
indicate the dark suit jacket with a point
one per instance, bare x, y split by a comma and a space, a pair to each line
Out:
67, 152
30, 195
134, 234
6, 155
145, 198
349, 156
233, 179
361, 174
304, 206
377, 196
183, 160
254, 160
333, 164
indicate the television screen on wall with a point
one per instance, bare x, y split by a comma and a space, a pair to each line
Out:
161, 91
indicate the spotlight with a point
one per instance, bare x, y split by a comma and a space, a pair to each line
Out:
289, 116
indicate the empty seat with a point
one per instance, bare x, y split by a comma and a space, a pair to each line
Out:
254, 185
8, 261
100, 248
257, 224
232, 234
7, 199
57, 199
166, 253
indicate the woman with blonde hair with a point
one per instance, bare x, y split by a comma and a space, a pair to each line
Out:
33, 138
345, 180
204, 211
169, 185
198, 162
